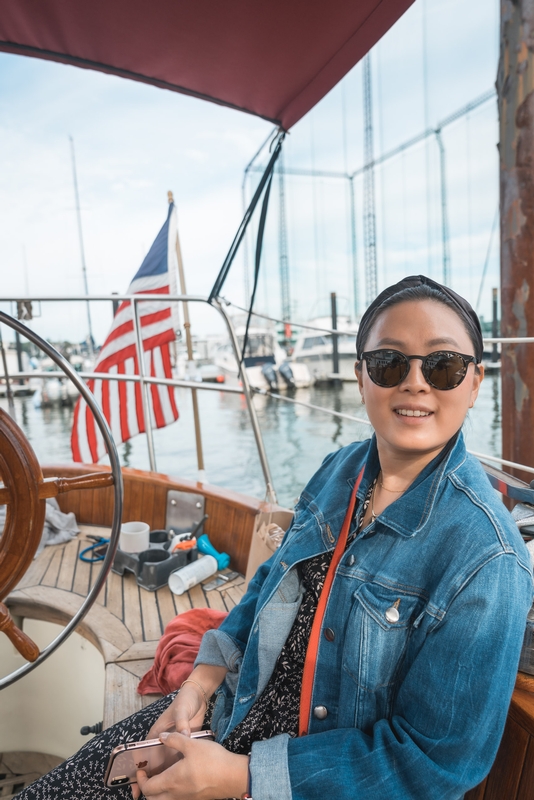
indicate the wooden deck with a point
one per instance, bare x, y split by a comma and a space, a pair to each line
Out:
125, 623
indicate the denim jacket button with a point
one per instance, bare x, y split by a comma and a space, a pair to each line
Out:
320, 712
392, 614
329, 634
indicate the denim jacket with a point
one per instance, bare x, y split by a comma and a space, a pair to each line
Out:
415, 708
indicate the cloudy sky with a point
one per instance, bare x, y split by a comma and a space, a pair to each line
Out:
135, 142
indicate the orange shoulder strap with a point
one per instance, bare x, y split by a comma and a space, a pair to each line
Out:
308, 675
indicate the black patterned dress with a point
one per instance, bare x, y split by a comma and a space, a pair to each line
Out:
277, 709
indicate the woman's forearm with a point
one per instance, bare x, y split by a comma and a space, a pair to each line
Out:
208, 677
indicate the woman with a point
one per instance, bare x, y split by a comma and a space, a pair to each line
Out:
374, 655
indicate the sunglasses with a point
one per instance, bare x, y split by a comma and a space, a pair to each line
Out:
442, 370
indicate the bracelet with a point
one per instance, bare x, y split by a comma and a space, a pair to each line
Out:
190, 680
247, 795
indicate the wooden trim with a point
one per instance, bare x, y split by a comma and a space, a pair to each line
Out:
108, 634
524, 682
231, 514
522, 710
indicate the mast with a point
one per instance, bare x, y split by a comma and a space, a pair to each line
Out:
369, 220
80, 236
515, 84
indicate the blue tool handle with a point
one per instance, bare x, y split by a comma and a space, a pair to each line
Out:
205, 546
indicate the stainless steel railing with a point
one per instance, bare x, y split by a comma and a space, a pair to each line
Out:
145, 380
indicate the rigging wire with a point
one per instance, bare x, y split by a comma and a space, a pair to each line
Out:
382, 172
348, 205
426, 106
238, 238
285, 293
318, 282
259, 247
469, 219
488, 254
246, 243
404, 206
446, 256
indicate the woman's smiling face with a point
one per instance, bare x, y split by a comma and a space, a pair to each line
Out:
418, 327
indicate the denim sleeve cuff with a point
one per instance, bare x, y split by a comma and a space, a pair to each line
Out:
219, 650
269, 769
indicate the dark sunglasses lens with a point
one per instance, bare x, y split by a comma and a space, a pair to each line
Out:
444, 370
387, 368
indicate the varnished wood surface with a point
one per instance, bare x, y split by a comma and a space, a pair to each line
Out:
125, 623
231, 515
525, 682
21, 474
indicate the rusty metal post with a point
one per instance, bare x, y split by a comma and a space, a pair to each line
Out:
494, 323
515, 85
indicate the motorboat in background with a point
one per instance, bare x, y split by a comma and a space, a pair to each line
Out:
22, 387
265, 360
202, 367
314, 349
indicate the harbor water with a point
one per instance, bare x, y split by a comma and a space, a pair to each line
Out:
296, 438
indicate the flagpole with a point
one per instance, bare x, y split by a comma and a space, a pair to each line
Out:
145, 388
189, 343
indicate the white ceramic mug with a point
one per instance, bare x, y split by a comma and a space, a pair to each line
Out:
187, 577
135, 537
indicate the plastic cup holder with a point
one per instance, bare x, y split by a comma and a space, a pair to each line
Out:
153, 566
159, 538
153, 556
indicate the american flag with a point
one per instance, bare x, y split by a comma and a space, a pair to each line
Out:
121, 401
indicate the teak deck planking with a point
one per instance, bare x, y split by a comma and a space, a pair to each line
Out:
125, 623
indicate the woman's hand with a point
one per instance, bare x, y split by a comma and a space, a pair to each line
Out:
206, 771
188, 708
186, 711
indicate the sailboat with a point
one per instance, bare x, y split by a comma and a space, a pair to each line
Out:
174, 47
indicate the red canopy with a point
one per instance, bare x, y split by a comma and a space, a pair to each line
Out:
272, 58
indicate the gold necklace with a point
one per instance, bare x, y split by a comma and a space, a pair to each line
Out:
393, 491
373, 515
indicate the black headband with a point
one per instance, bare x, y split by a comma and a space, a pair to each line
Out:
465, 310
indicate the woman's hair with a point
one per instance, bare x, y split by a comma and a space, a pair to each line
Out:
419, 287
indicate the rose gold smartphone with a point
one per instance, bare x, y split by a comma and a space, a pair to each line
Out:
150, 755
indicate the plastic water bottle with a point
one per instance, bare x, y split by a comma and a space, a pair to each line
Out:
185, 578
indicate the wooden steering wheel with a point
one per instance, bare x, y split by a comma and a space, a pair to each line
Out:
25, 492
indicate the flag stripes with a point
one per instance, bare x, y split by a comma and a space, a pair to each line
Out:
121, 401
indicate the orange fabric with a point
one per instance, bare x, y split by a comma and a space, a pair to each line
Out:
177, 650
313, 644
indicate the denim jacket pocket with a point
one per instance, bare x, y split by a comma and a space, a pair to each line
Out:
378, 630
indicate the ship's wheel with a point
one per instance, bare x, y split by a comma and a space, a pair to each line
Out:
25, 492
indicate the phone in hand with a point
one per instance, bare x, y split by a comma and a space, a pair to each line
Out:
150, 755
